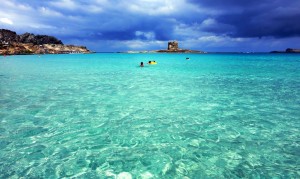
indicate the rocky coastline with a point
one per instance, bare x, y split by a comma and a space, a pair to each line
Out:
13, 44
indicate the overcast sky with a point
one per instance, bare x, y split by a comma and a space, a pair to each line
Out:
121, 25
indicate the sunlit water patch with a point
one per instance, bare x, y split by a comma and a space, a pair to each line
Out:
103, 116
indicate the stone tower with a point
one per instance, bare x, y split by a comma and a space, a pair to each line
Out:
173, 46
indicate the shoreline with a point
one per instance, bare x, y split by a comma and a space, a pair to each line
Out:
206, 53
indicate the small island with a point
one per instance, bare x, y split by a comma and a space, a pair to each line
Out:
288, 50
13, 44
172, 48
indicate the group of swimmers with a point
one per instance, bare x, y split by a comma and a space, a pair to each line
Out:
149, 62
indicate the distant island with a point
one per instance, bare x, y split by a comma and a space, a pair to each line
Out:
25, 44
172, 48
288, 50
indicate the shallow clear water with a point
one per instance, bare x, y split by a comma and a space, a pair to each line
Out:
102, 116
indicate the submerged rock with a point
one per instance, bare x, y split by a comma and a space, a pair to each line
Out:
124, 175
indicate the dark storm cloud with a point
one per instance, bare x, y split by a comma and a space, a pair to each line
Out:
214, 23
228, 3
262, 25
256, 18
126, 28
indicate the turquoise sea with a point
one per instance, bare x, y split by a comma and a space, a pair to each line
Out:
103, 116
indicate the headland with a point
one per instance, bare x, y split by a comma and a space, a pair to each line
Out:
13, 44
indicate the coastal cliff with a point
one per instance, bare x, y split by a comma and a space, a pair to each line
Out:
13, 44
